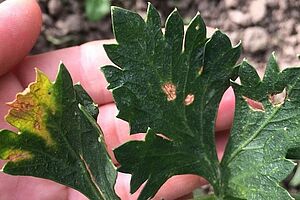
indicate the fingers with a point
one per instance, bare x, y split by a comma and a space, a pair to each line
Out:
20, 24
226, 111
75, 195
221, 142
174, 188
83, 62
93, 57
178, 186
30, 188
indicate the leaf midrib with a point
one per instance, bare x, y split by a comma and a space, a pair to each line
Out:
82, 165
266, 122
253, 136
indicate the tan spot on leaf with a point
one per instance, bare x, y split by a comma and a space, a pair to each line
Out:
278, 99
200, 70
189, 99
164, 137
170, 90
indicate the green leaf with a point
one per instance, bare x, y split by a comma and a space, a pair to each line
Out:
96, 9
255, 161
168, 85
208, 197
58, 137
200, 194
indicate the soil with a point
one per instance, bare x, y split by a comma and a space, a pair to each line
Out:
264, 26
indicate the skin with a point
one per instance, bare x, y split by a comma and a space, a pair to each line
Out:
20, 24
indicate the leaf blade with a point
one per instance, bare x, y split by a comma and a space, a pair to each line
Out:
65, 149
254, 161
159, 88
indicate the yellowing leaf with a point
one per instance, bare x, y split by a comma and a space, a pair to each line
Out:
30, 109
58, 138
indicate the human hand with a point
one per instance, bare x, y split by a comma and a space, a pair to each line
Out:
20, 22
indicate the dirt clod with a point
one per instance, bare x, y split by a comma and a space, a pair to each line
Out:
54, 6
255, 39
257, 10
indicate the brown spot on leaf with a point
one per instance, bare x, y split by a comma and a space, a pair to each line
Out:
255, 105
18, 155
37, 125
189, 99
170, 90
22, 103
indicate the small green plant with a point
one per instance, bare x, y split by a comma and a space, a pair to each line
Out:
96, 9
168, 86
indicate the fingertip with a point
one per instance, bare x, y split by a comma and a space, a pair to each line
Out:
93, 57
74, 194
20, 24
221, 142
226, 111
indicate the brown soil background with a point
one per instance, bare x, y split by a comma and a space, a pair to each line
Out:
264, 26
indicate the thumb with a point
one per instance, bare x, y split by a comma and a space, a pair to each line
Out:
20, 24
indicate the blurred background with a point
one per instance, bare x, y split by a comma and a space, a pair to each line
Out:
263, 25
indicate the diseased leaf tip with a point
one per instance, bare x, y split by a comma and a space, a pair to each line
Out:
32, 106
50, 124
